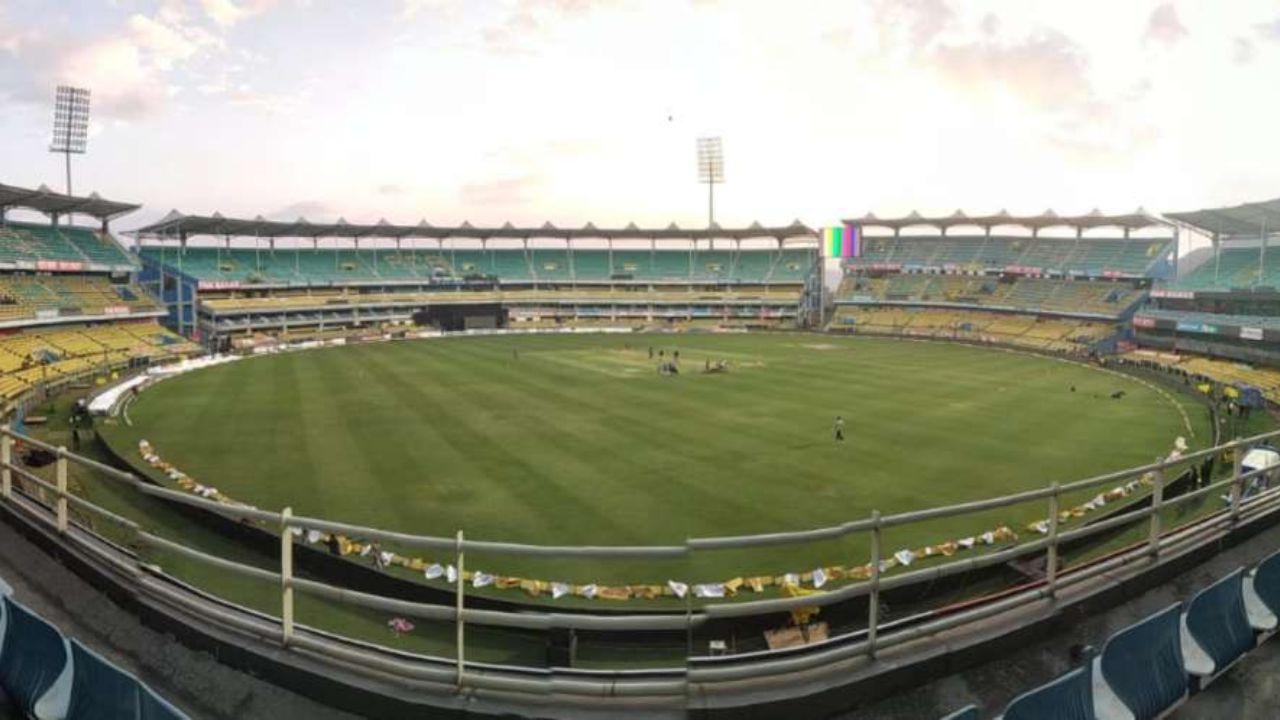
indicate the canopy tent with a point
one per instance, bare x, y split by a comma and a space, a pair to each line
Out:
177, 225
1247, 221
51, 203
1130, 221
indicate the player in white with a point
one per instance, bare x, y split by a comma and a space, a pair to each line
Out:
839, 429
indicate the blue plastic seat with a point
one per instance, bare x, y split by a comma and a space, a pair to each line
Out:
35, 674
1215, 630
100, 690
154, 707
1140, 673
1262, 594
1069, 697
968, 712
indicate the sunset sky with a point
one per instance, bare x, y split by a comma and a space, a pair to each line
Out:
588, 110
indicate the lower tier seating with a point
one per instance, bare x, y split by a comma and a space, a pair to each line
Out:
1030, 331
32, 357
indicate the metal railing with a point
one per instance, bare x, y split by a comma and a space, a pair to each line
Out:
877, 636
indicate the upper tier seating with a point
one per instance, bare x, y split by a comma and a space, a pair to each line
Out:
32, 243
1271, 322
1234, 268
304, 266
1089, 256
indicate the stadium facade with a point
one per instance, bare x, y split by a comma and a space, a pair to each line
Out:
262, 282
77, 306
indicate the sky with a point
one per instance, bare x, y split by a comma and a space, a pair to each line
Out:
572, 111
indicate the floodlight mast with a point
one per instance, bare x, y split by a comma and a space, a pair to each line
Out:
70, 124
710, 171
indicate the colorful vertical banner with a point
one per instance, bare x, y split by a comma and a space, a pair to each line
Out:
840, 241
851, 244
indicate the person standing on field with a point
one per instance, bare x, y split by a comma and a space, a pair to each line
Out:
839, 429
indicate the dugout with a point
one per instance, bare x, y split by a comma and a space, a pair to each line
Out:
481, 316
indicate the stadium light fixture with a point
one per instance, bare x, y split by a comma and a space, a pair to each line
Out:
710, 171
70, 124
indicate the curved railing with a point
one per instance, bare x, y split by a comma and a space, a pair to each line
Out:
673, 685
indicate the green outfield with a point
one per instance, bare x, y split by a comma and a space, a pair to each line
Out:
579, 440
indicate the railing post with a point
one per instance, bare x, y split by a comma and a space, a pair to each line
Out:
286, 577
1051, 558
62, 489
873, 602
458, 587
1157, 502
6, 457
1237, 488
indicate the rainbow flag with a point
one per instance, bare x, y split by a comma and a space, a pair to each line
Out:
840, 241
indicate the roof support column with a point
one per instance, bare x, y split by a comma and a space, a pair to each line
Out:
1262, 253
1217, 256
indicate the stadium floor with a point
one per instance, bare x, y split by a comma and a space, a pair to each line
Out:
564, 440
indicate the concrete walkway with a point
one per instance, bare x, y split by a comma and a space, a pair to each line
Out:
194, 681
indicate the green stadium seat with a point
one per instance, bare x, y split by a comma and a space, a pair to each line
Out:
1069, 697
1140, 673
99, 689
35, 675
1215, 629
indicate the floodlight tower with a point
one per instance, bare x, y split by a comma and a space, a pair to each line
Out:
710, 171
70, 124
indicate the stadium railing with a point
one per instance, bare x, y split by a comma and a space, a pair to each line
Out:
674, 684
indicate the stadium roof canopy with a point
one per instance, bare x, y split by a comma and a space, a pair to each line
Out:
1250, 219
1135, 220
44, 200
176, 224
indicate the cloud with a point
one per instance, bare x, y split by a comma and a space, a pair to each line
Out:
1046, 71
313, 210
516, 32
1269, 31
167, 43
226, 13
410, 9
1243, 51
129, 71
923, 20
1048, 74
506, 192
391, 189
1164, 26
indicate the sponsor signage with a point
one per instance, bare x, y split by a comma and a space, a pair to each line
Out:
1023, 270
59, 265
115, 310
1174, 294
1112, 274
1197, 327
218, 284
1144, 322
1251, 333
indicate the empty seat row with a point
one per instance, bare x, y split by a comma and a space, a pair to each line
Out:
1149, 668
46, 677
